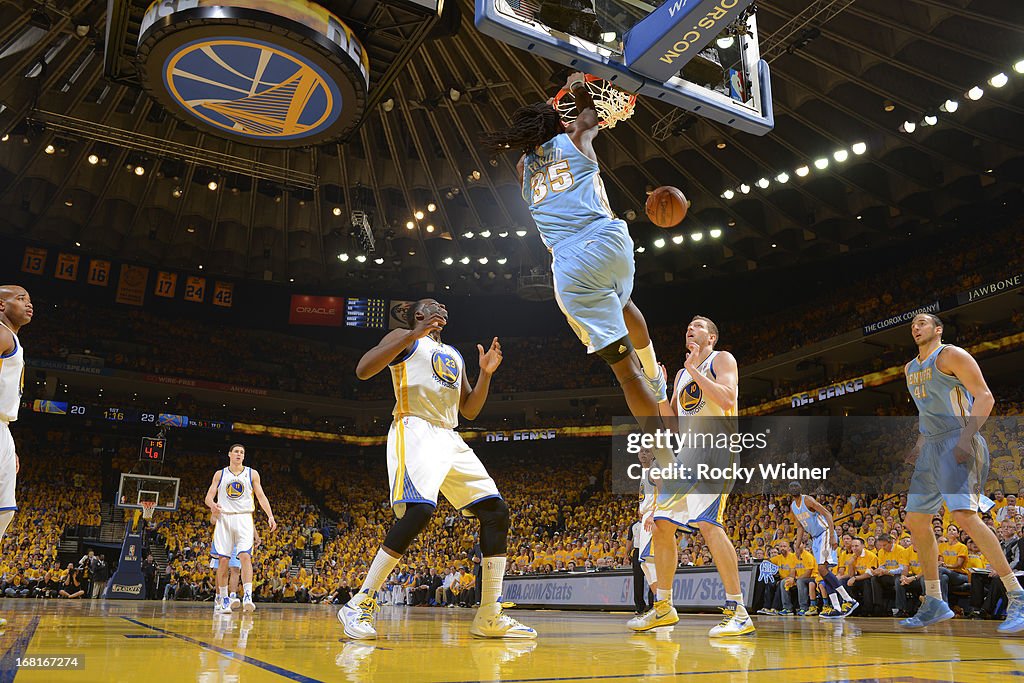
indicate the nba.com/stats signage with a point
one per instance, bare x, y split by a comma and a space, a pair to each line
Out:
694, 588
269, 73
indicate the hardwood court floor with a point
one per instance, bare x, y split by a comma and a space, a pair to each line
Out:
166, 642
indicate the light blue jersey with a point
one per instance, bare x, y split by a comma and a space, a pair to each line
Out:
942, 400
563, 188
811, 521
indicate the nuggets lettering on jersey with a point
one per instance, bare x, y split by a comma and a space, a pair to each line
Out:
428, 383
12, 380
942, 400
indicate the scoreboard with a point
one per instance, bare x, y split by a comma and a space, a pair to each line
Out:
152, 450
366, 313
127, 415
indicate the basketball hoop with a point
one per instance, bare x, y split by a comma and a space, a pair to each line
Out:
613, 104
148, 506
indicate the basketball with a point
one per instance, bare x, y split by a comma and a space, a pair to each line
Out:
667, 206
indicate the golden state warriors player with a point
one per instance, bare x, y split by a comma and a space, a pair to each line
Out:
591, 249
707, 386
15, 312
951, 462
426, 457
236, 486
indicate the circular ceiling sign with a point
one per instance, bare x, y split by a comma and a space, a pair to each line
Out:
269, 73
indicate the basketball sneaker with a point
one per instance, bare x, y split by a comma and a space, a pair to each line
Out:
222, 605
932, 611
848, 608
357, 616
492, 622
812, 611
662, 614
658, 385
235, 602
731, 624
247, 604
828, 612
1014, 613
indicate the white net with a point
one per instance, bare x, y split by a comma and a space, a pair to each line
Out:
613, 105
147, 510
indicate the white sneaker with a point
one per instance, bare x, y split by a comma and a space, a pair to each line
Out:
662, 614
357, 615
247, 604
235, 602
222, 606
732, 625
492, 622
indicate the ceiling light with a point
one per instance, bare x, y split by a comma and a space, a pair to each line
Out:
887, 105
502, 261
728, 194
999, 80
803, 171
859, 217
454, 94
725, 42
50, 149
212, 185
140, 170
782, 178
1019, 67
412, 252
520, 233
200, 266
774, 245
361, 258
841, 155
908, 127
409, 225
475, 175
608, 36
78, 244
6, 137
431, 207
419, 215
975, 93
859, 148
721, 144
69, 202
93, 159
343, 257
697, 236
448, 261
379, 261
291, 279
190, 229
336, 211
468, 235
430, 228
763, 183
503, 233
640, 250
176, 192
715, 233
464, 260
388, 104
659, 243
482, 260
485, 233
677, 239
949, 106
745, 189
821, 164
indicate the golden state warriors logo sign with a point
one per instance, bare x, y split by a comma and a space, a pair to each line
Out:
446, 368
271, 73
235, 490
691, 398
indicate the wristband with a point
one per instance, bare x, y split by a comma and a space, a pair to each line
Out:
572, 85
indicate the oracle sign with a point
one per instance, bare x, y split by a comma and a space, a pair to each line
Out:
326, 311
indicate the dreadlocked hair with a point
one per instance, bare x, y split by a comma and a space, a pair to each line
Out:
532, 126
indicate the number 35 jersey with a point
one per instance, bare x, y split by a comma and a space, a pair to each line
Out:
563, 189
428, 382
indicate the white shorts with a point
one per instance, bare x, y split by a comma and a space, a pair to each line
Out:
8, 469
642, 542
685, 511
424, 459
233, 534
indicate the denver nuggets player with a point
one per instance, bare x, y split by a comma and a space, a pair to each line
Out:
707, 386
815, 520
235, 486
592, 250
426, 457
15, 312
951, 462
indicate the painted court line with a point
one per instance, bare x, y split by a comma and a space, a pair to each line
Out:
266, 666
7, 663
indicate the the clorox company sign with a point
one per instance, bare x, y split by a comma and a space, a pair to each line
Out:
270, 73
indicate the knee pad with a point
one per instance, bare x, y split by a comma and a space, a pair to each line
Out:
415, 520
494, 521
616, 351
5, 520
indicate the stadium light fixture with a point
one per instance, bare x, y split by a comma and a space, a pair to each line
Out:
520, 233
763, 183
803, 171
640, 250
503, 233
464, 260
343, 257
468, 235
502, 261
999, 80
821, 164
379, 261
361, 258
212, 185
744, 188
431, 207
949, 106
485, 233
430, 228
841, 155
1019, 67
659, 243
725, 42
409, 225
336, 211
975, 93
697, 236
908, 127
728, 194
782, 178
50, 149
859, 148
677, 239
715, 233
482, 260
418, 215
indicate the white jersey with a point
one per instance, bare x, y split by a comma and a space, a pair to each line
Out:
690, 399
428, 383
234, 495
12, 380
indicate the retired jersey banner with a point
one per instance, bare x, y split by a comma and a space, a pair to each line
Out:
67, 267
195, 289
396, 314
166, 284
99, 272
324, 311
131, 286
223, 294
34, 260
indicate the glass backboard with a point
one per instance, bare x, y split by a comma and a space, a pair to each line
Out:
699, 55
136, 489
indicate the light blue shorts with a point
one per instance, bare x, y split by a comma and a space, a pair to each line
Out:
821, 548
232, 562
593, 279
939, 478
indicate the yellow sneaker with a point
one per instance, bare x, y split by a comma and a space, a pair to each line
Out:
492, 622
663, 614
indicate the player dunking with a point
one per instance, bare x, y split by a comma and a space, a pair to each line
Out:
951, 462
426, 457
15, 312
235, 487
707, 386
592, 250
815, 520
